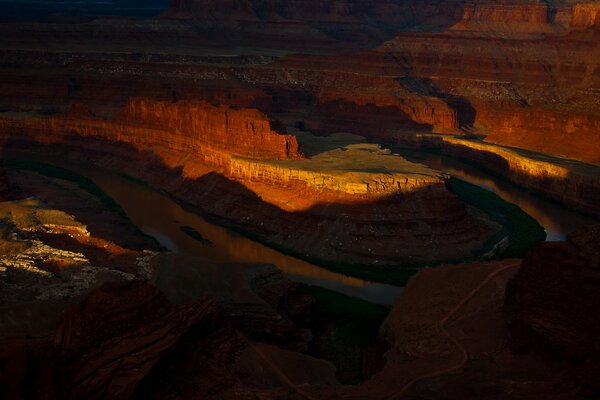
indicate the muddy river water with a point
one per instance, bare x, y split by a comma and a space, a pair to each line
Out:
160, 216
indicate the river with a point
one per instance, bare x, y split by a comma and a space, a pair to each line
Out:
557, 221
157, 215
160, 216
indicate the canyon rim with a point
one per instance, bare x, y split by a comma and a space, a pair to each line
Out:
299, 199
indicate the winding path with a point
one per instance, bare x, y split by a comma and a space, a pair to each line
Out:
280, 374
441, 326
444, 332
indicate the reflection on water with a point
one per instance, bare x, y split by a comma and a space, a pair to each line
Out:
161, 217
557, 221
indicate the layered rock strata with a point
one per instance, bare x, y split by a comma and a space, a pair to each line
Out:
586, 15
572, 183
338, 205
125, 339
197, 129
554, 301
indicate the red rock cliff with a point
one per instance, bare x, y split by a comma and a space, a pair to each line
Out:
245, 132
506, 12
555, 299
196, 128
586, 15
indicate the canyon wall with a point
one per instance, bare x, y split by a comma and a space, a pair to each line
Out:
509, 16
554, 303
586, 16
194, 128
573, 184
328, 216
243, 132
506, 16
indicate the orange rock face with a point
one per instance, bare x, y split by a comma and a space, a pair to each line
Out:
506, 11
243, 132
585, 16
196, 128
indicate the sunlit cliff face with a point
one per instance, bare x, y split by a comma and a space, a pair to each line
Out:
347, 201
242, 145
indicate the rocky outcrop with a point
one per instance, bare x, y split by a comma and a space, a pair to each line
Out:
586, 16
126, 340
243, 132
210, 133
105, 346
506, 16
365, 193
574, 184
554, 301
118, 334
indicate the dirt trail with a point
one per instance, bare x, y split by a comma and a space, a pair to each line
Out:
444, 332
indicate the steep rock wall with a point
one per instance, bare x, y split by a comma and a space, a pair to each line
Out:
562, 133
244, 132
574, 184
189, 127
586, 16
342, 219
512, 16
554, 301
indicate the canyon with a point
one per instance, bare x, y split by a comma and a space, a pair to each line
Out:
269, 142
217, 155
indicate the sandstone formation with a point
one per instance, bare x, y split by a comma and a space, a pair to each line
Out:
55, 247
233, 165
111, 362
198, 129
554, 303
569, 182
586, 16
484, 80
327, 225
127, 340
219, 104
242, 132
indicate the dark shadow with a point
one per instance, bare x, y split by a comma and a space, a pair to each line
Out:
368, 119
465, 111
357, 25
395, 230
77, 12
104, 220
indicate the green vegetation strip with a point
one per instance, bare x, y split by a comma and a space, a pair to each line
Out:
83, 183
396, 275
523, 231
188, 230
